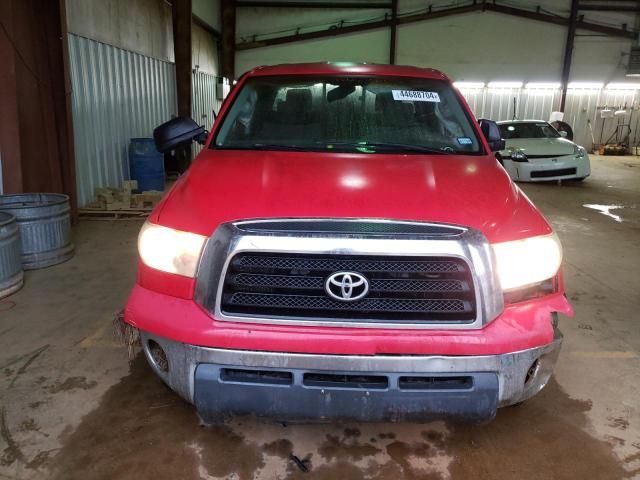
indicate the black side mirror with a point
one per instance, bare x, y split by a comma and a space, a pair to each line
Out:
491, 132
178, 131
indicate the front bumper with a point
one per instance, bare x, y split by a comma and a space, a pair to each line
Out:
544, 170
223, 382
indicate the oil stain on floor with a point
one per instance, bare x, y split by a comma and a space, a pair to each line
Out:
143, 430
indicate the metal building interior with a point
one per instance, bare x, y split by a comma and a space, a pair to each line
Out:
81, 81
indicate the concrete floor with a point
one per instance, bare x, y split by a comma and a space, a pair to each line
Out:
71, 405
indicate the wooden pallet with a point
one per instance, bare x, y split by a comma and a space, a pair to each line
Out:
106, 214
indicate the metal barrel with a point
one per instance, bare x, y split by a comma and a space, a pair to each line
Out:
11, 274
45, 227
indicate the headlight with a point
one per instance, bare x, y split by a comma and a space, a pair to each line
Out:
529, 261
518, 156
578, 151
170, 250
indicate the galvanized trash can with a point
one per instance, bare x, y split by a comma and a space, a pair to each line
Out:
11, 274
45, 227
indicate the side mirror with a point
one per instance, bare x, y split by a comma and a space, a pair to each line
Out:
178, 131
491, 132
563, 134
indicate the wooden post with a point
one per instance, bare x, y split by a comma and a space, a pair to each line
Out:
9, 118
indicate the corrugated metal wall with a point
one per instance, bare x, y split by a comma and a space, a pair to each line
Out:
204, 102
583, 114
116, 95
582, 110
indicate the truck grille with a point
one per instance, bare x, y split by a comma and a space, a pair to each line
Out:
421, 289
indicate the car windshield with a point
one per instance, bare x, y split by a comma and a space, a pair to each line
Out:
365, 115
527, 130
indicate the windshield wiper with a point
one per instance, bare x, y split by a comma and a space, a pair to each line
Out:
391, 146
384, 146
264, 146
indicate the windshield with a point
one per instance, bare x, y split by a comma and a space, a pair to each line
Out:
527, 130
366, 115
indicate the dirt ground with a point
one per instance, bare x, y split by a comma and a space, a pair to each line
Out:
72, 406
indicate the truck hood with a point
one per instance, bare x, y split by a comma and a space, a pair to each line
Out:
542, 146
473, 191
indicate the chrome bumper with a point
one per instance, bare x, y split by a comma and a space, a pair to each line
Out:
519, 375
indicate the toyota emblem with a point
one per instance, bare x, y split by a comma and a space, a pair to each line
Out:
347, 286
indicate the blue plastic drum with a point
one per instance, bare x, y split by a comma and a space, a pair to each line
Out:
146, 164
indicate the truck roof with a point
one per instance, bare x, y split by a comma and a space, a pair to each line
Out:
347, 68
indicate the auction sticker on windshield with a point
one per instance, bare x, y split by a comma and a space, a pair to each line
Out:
415, 96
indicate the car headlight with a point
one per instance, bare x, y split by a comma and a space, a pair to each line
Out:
526, 262
518, 156
578, 151
169, 250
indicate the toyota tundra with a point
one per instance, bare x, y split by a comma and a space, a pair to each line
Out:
347, 246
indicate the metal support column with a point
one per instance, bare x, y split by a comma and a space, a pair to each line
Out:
181, 10
181, 13
228, 15
393, 32
568, 52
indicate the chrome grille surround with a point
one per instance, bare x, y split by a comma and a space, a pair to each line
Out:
462, 243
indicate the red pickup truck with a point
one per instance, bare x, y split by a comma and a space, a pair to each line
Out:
347, 246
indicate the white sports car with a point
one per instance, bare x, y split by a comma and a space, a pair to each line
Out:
535, 151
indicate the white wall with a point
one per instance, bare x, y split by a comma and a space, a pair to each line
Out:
204, 50
482, 46
141, 26
360, 47
208, 11
600, 58
265, 21
477, 46
145, 27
